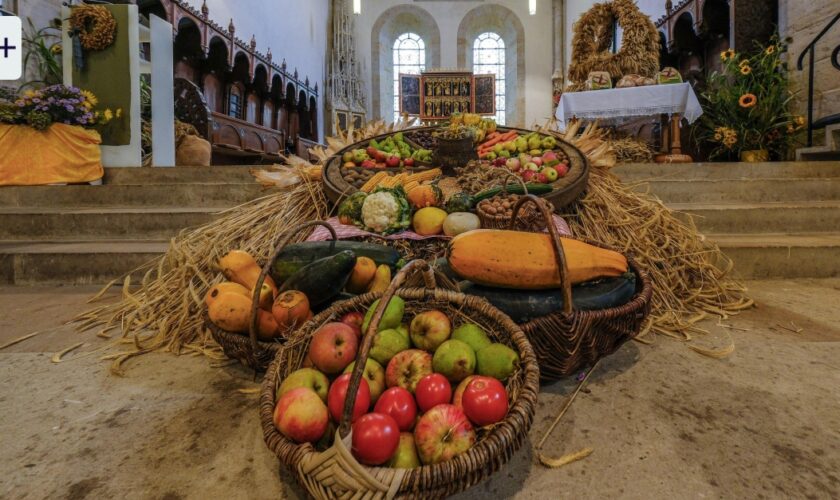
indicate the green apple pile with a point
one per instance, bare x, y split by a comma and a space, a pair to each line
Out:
392, 152
406, 413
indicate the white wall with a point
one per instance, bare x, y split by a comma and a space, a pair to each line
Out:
42, 12
295, 30
539, 31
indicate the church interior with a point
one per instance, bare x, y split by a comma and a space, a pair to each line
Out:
420, 249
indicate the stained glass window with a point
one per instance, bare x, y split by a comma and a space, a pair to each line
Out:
489, 57
409, 58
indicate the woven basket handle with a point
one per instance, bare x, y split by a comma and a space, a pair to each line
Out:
370, 333
559, 254
284, 240
518, 179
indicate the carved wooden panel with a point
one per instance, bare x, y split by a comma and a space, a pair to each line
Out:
213, 93
226, 134
252, 141
252, 109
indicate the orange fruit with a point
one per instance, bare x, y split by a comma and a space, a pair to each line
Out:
291, 309
429, 221
363, 273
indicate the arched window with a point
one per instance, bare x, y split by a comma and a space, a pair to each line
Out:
489, 57
409, 57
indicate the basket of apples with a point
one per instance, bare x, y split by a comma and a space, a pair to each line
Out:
411, 392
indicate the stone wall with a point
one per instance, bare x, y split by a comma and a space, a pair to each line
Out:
802, 25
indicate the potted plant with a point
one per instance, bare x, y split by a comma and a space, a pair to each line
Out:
48, 136
747, 106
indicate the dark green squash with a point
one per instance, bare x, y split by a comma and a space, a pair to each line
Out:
297, 255
324, 278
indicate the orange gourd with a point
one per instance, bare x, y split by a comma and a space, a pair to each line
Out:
291, 309
225, 287
238, 266
267, 328
362, 275
231, 312
526, 261
426, 195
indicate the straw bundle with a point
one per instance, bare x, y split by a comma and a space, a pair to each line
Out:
593, 37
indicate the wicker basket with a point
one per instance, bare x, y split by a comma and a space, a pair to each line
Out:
249, 350
530, 220
568, 340
334, 473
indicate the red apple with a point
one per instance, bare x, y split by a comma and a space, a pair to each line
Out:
459, 391
500, 162
368, 164
442, 433
379, 156
513, 164
485, 401
371, 151
562, 170
338, 392
429, 329
541, 178
432, 390
408, 162
550, 156
375, 438
527, 175
393, 162
333, 347
301, 416
538, 161
354, 319
399, 404
406, 368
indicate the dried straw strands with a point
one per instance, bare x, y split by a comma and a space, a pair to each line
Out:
593, 37
688, 273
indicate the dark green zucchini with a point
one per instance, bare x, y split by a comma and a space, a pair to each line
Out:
294, 257
323, 279
524, 305
533, 188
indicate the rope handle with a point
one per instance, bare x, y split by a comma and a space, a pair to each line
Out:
370, 333
559, 254
283, 241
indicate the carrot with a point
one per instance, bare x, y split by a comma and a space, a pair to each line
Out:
501, 138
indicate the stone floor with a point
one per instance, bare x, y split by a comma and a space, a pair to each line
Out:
664, 422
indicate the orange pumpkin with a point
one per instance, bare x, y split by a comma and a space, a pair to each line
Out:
426, 195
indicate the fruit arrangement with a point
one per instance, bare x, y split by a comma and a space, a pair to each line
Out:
433, 383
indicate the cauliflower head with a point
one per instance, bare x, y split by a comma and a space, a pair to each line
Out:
386, 211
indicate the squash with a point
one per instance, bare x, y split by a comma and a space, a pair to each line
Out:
295, 256
459, 202
323, 279
460, 222
238, 266
225, 287
526, 261
426, 195
231, 312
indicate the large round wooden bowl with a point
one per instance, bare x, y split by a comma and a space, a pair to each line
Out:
566, 189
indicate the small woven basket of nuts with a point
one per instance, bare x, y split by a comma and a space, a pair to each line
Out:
497, 212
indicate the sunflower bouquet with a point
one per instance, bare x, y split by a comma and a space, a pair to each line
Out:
55, 104
747, 105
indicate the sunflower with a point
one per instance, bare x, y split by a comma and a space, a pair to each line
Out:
89, 97
746, 70
727, 55
744, 62
770, 50
108, 115
747, 101
800, 121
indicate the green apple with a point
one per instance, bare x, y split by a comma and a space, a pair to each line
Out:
305, 377
497, 360
375, 376
391, 319
472, 335
406, 455
429, 329
455, 360
386, 345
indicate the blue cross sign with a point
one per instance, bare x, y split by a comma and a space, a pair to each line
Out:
11, 64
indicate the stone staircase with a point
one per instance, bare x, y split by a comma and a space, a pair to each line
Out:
830, 151
92, 234
775, 220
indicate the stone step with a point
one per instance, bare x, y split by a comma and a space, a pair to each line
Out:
131, 195
761, 256
179, 175
743, 190
73, 262
689, 171
749, 218
105, 223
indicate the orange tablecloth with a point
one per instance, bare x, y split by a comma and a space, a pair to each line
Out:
62, 153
